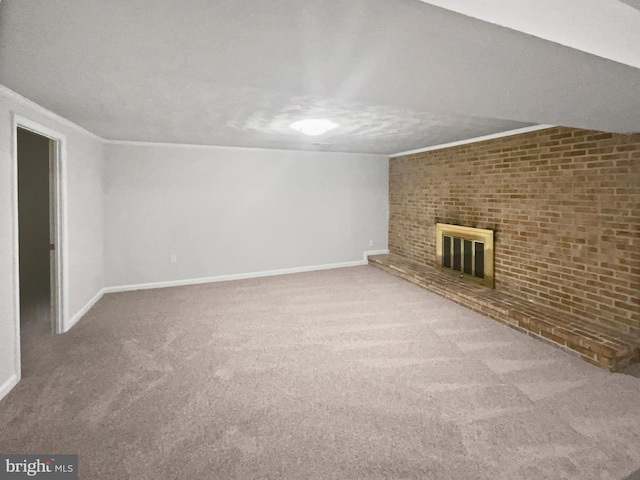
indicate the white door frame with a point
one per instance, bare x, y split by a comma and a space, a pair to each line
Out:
58, 161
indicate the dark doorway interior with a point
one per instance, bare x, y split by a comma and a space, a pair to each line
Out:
34, 226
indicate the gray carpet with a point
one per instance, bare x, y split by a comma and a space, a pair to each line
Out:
339, 374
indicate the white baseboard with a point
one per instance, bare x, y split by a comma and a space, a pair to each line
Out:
73, 320
221, 278
7, 386
374, 252
241, 276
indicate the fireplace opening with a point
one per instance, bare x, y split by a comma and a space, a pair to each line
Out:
465, 251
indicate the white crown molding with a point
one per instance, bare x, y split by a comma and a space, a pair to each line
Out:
30, 104
508, 133
11, 95
132, 143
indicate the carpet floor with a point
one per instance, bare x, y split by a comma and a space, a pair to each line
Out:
339, 374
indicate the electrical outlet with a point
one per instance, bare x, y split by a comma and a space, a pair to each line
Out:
173, 259
371, 243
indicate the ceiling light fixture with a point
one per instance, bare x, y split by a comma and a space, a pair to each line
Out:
314, 127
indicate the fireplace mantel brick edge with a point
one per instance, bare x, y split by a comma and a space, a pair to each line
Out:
592, 342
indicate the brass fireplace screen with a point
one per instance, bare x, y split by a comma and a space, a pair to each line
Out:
465, 251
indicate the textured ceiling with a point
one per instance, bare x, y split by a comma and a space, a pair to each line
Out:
396, 75
632, 3
607, 28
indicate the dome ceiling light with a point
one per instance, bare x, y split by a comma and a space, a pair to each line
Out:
313, 127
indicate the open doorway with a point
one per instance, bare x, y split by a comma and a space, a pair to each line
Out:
38, 158
35, 239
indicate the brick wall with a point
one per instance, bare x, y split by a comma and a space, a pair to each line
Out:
564, 205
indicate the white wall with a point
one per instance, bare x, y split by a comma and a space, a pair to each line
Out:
84, 216
222, 211
230, 211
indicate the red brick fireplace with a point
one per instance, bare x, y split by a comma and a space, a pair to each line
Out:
564, 205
